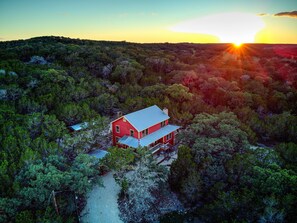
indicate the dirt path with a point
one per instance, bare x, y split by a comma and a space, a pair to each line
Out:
102, 206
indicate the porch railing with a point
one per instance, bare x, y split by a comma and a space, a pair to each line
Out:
157, 147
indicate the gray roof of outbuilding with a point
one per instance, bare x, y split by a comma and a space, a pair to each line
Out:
147, 117
79, 126
99, 153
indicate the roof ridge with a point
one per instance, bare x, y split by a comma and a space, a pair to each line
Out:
146, 118
142, 110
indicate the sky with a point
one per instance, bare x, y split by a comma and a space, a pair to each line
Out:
197, 21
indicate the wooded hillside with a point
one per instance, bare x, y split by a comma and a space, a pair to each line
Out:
225, 98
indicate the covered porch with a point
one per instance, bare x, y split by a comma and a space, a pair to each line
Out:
154, 141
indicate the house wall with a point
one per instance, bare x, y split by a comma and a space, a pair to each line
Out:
124, 129
154, 128
170, 141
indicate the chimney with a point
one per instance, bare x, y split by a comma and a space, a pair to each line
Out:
165, 110
119, 114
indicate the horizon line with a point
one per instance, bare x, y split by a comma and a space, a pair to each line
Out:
104, 40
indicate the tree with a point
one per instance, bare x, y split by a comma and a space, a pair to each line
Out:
93, 132
28, 106
271, 214
288, 152
24, 216
52, 128
118, 159
181, 168
104, 103
281, 127
72, 113
139, 203
98, 127
178, 93
9, 208
127, 71
215, 132
210, 142
38, 180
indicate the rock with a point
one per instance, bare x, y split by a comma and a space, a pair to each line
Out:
13, 74
2, 72
38, 60
113, 88
3, 94
10, 73
106, 71
245, 77
32, 83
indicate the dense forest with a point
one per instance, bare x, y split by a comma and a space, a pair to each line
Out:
237, 158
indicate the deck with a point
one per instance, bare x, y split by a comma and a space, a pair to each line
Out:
159, 146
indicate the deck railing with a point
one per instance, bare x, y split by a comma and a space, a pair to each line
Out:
157, 147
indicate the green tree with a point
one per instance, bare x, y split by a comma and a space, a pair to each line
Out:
9, 208
211, 141
38, 180
288, 153
118, 158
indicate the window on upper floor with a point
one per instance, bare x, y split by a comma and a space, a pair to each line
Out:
168, 137
163, 124
132, 132
117, 129
145, 132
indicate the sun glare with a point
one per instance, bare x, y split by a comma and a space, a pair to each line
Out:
237, 44
234, 27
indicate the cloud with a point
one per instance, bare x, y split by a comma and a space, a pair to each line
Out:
292, 14
262, 14
229, 27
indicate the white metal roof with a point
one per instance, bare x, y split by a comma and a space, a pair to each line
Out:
146, 118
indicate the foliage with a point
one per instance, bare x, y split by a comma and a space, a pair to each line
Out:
139, 202
92, 133
226, 98
288, 153
232, 181
37, 181
213, 141
118, 158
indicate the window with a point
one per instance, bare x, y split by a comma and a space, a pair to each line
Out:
131, 132
117, 129
163, 124
117, 139
168, 137
144, 132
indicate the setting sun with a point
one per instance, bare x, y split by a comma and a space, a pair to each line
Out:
234, 27
237, 44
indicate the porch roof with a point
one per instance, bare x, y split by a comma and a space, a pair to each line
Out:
147, 140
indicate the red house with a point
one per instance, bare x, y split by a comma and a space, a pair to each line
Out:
148, 127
